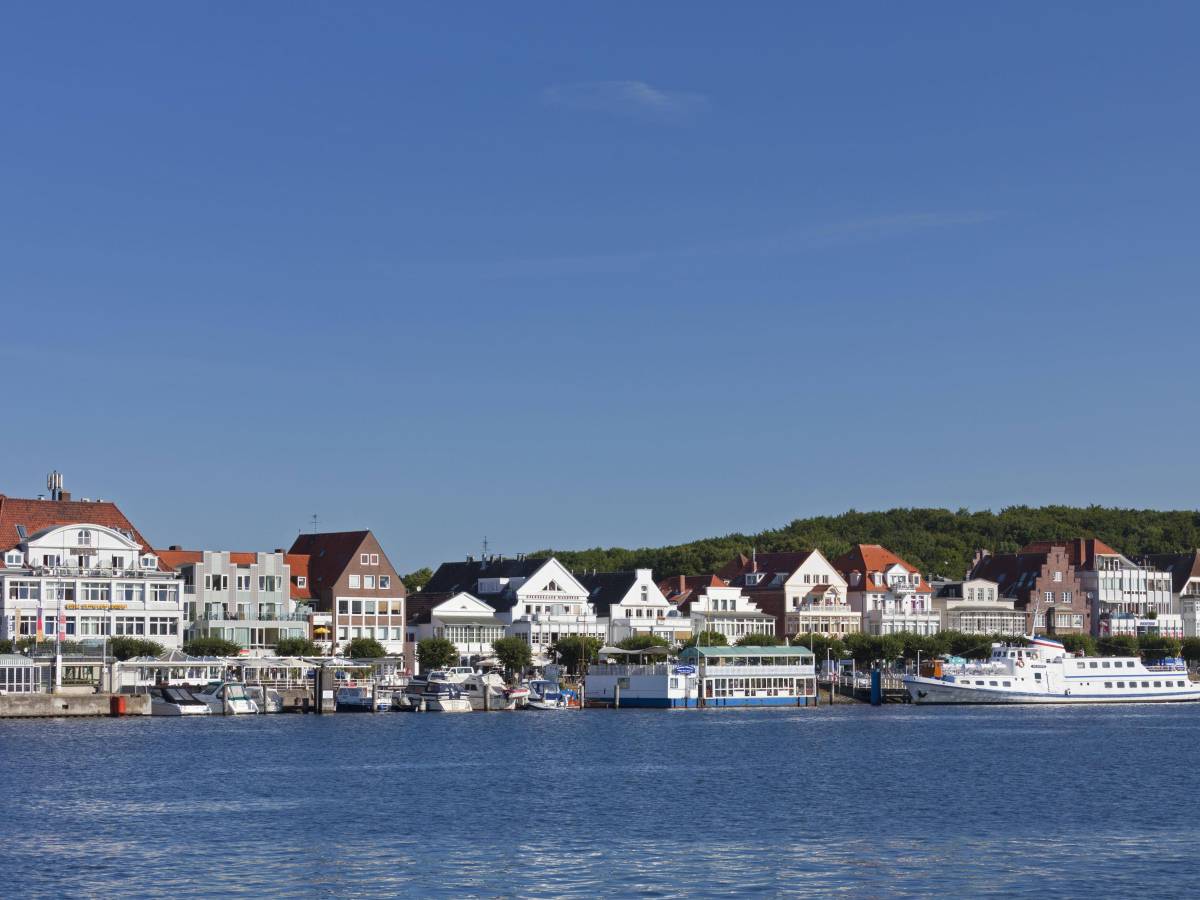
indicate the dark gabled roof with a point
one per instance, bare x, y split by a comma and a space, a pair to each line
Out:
452, 577
1015, 573
606, 588
774, 563
420, 605
328, 555
38, 515
1082, 552
1182, 566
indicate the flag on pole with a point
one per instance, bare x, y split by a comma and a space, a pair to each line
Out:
41, 622
62, 624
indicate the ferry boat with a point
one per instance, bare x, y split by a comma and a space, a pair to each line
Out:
1044, 672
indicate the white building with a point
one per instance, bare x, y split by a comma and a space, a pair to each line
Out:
461, 618
975, 606
890, 593
240, 597
539, 600
801, 588
84, 564
728, 611
1184, 569
632, 603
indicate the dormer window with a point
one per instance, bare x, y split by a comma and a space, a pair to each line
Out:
301, 581
84, 538
645, 594
12, 558
149, 561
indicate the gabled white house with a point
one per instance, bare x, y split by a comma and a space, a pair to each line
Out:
802, 589
539, 600
631, 604
728, 611
890, 593
462, 618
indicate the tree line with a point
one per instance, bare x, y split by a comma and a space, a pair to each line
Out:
939, 542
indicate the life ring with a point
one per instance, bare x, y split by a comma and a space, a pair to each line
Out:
1021, 662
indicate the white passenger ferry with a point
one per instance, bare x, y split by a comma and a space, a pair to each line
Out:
1045, 673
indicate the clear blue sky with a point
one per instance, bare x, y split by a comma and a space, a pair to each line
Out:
620, 274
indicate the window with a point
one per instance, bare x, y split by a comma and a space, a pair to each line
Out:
1066, 596
369, 582
12, 558
343, 633
364, 559
128, 593
369, 607
149, 562
23, 590
344, 607
164, 593
84, 538
301, 581
356, 607
95, 592
1058, 576
385, 582
162, 625
374, 559
208, 582
354, 581
1049, 596
243, 582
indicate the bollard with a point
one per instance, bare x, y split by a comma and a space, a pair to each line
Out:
116, 705
876, 687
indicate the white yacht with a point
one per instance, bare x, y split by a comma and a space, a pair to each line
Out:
499, 695
176, 701
227, 698
1044, 672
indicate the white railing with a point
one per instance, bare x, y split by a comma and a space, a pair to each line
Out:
753, 671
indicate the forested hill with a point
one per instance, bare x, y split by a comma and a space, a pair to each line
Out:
937, 541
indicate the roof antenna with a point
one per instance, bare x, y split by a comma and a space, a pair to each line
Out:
314, 523
485, 546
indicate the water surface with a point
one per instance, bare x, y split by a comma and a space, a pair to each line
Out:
898, 801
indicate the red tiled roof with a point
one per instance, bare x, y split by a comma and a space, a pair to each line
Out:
868, 559
1081, 551
178, 558
299, 566
38, 515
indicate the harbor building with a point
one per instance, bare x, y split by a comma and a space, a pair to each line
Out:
539, 600
974, 606
461, 618
801, 589
632, 604
708, 677
1122, 596
1043, 583
889, 592
240, 597
80, 569
352, 588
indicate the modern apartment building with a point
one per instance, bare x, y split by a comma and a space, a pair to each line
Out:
240, 597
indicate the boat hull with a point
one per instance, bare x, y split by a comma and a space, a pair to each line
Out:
932, 691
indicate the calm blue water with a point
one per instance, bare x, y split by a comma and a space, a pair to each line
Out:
851, 800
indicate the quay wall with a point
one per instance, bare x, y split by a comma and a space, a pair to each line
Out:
30, 706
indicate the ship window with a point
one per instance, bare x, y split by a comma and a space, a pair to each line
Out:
1105, 664
1037, 676
1158, 684
1008, 684
1108, 684
1093, 665
1120, 684
980, 683
1145, 684
992, 683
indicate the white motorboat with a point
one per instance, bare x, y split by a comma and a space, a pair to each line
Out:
546, 695
1044, 672
499, 695
437, 696
176, 701
228, 698
361, 699
266, 699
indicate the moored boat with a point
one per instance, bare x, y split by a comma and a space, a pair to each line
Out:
176, 701
227, 698
1044, 672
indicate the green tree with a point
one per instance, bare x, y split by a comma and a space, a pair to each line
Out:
415, 581
758, 640
642, 642
514, 654
1118, 645
211, 646
1080, 643
436, 653
363, 648
296, 646
122, 648
577, 650
1191, 650
706, 639
1159, 645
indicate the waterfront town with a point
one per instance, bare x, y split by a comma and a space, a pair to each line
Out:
79, 578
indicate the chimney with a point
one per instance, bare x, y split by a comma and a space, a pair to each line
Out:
174, 547
753, 559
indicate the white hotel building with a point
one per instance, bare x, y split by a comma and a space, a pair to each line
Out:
84, 563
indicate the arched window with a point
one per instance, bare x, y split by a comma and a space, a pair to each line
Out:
85, 537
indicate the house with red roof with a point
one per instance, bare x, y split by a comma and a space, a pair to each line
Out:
81, 570
348, 581
800, 588
889, 592
1043, 583
241, 597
